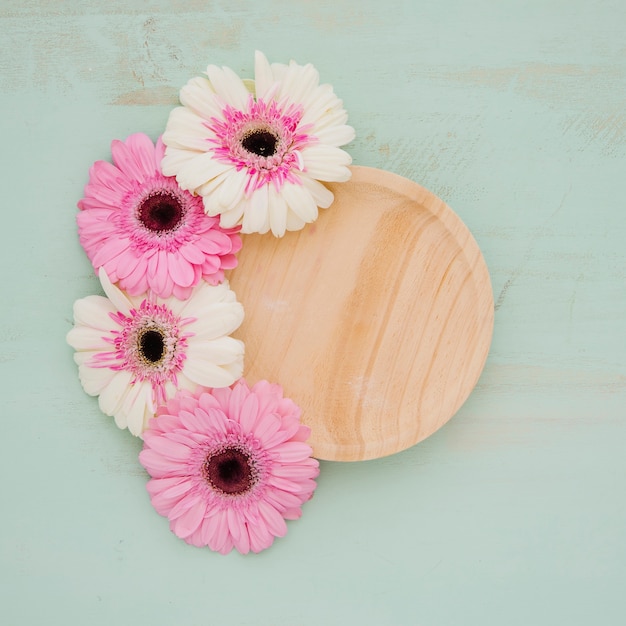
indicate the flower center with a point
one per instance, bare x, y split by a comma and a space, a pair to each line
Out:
260, 141
160, 211
230, 471
151, 345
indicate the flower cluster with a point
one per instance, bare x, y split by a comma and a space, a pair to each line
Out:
161, 225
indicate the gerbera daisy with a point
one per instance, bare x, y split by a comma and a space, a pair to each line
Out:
134, 352
257, 158
228, 466
145, 230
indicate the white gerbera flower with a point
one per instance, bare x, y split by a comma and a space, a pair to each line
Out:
257, 159
136, 352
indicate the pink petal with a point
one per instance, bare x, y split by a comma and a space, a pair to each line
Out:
267, 426
170, 449
189, 521
136, 282
127, 262
182, 293
210, 527
158, 467
106, 174
196, 422
237, 397
126, 161
228, 261
284, 434
184, 504
273, 519
243, 543
215, 242
142, 149
180, 269
287, 407
192, 253
293, 451
282, 500
163, 503
283, 484
295, 471
109, 251
260, 538
207, 401
269, 396
172, 487
159, 152
222, 396
249, 413
220, 534
291, 514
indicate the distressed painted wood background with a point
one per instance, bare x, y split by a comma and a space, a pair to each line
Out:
513, 112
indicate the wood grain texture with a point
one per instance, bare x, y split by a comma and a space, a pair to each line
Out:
376, 319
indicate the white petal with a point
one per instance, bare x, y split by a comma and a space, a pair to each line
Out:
86, 338
294, 222
136, 407
199, 170
277, 213
183, 383
95, 379
336, 135
300, 201
263, 76
299, 83
87, 356
332, 117
279, 70
117, 297
210, 194
112, 396
232, 218
208, 374
235, 369
175, 159
221, 319
204, 296
199, 96
256, 217
322, 196
186, 130
228, 86
327, 163
219, 351
319, 102
94, 311
232, 189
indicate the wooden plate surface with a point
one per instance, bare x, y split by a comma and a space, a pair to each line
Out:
376, 319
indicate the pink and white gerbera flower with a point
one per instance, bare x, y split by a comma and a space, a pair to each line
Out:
135, 352
145, 230
257, 159
228, 466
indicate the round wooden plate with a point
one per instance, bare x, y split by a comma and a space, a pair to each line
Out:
376, 319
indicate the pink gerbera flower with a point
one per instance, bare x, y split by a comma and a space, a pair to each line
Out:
257, 159
145, 230
229, 465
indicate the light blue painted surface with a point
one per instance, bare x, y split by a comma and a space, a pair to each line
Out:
514, 112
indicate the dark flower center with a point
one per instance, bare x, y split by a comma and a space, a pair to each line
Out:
160, 211
261, 142
152, 346
230, 471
